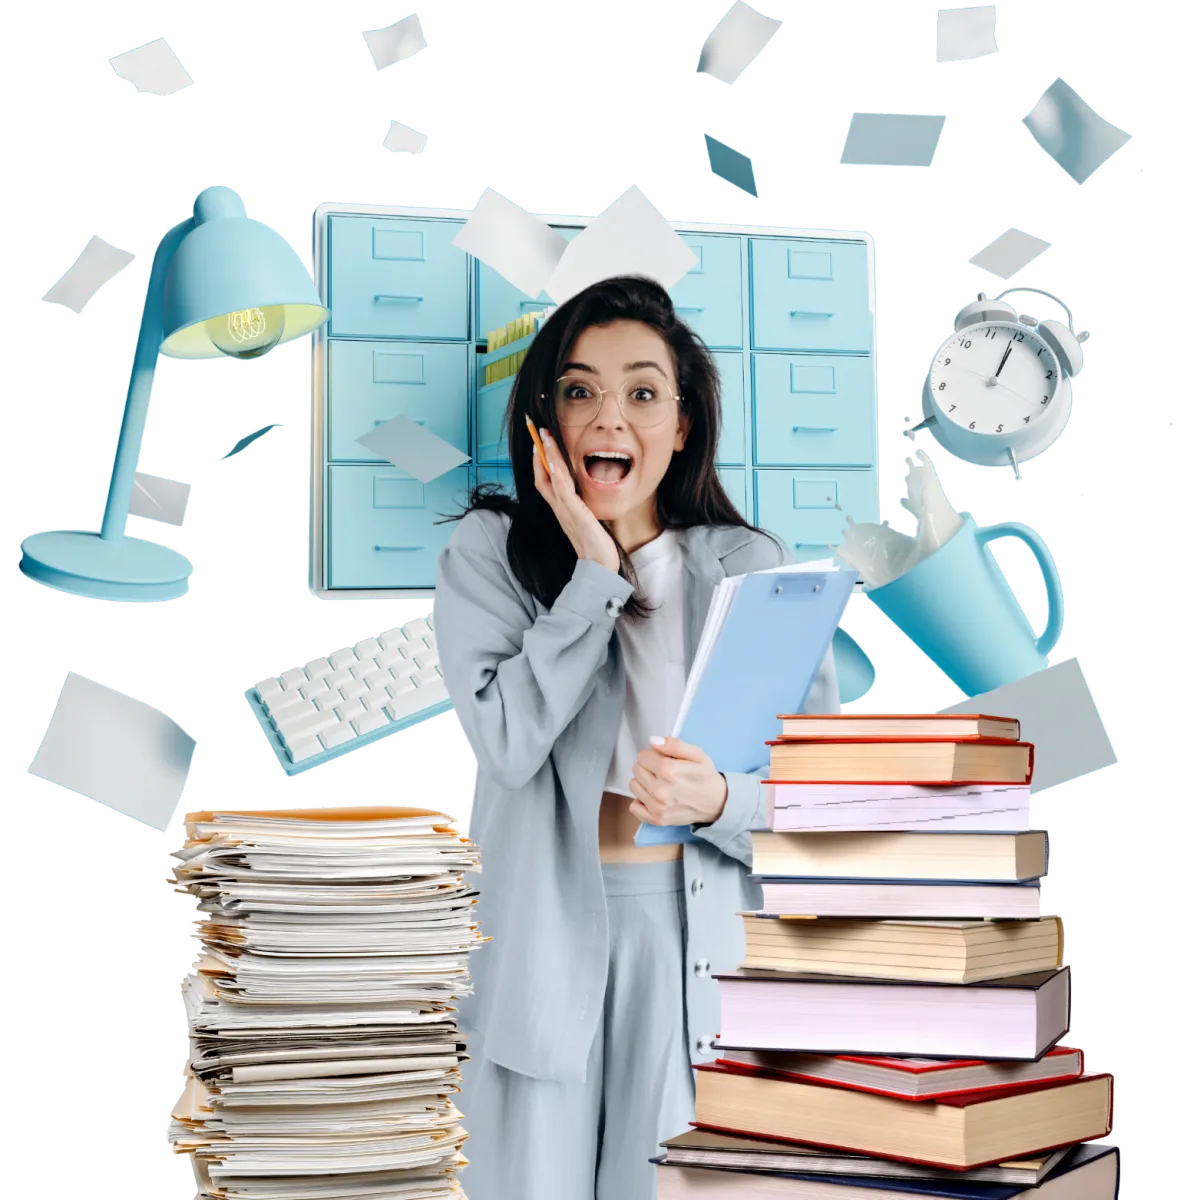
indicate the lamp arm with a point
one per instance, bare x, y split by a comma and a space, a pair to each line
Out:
137, 401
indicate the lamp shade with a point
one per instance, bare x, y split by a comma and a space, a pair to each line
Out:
229, 264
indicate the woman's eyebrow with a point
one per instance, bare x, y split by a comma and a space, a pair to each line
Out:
631, 366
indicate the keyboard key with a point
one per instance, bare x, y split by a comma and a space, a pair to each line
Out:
376, 718
293, 678
304, 726
282, 700
388, 659
406, 705
392, 637
339, 677
313, 688
268, 688
303, 748
427, 675
401, 687
349, 708
377, 678
302, 708
327, 700
375, 698
363, 667
367, 648
416, 629
318, 667
342, 658
426, 659
353, 689
336, 735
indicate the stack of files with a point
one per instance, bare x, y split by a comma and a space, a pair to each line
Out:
324, 1052
895, 1025
517, 329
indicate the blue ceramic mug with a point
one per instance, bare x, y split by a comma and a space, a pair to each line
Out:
957, 607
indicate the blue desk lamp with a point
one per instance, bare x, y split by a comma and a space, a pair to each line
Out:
220, 284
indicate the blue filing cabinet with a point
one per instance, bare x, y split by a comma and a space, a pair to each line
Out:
787, 313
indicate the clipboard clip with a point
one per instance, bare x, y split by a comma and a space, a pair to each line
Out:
794, 585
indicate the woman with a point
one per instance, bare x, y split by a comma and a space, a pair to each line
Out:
567, 619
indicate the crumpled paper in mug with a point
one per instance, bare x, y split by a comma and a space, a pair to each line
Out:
881, 554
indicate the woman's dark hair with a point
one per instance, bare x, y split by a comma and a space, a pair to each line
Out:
539, 552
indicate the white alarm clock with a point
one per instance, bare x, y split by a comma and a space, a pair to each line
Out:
999, 390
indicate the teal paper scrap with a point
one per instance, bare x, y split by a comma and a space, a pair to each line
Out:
250, 437
730, 165
892, 139
1077, 138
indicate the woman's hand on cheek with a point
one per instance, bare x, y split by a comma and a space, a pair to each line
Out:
676, 784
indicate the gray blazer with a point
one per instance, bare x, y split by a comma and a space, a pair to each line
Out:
539, 693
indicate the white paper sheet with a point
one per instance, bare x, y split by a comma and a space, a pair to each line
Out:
1009, 253
115, 749
515, 244
735, 42
94, 267
158, 499
412, 448
394, 43
966, 33
152, 68
630, 237
401, 139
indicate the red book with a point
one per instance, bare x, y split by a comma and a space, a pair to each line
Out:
957, 1132
910, 1078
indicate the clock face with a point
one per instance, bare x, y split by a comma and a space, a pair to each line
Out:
995, 378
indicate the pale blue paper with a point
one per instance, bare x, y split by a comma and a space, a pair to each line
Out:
1077, 138
892, 139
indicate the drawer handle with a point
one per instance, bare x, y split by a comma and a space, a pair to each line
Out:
803, 312
414, 420
812, 546
378, 548
532, 304
814, 429
398, 299
682, 308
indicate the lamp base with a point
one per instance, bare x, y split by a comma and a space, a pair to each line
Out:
122, 568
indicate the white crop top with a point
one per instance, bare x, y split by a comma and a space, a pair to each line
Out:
652, 648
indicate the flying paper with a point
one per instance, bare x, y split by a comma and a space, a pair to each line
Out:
412, 448
730, 165
152, 68
892, 139
735, 42
1009, 253
514, 243
158, 499
396, 42
98, 263
1071, 133
402, 139
966, 33
117, 750
250, 437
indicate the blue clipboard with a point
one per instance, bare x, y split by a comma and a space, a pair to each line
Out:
767, 654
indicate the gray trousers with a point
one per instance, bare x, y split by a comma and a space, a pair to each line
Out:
534, 1139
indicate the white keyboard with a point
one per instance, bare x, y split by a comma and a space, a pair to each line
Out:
352, 696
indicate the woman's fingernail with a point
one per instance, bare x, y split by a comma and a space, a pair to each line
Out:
658, 741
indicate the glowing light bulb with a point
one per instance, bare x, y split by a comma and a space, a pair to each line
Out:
247, 333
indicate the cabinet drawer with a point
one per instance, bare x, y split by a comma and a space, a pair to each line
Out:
731, 448
501, 475
809, 295
733, 480
391, 277
813, 410
491, 432
498, 301
382, 530
372, 382
709, 296
808, 509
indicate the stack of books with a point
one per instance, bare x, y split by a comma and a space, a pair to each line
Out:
895, 1025
324, 1054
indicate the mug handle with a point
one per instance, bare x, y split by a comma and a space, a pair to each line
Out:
1054, 596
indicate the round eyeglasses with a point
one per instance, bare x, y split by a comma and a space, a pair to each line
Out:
643, 401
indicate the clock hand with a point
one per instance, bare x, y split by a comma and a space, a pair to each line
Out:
1003, 360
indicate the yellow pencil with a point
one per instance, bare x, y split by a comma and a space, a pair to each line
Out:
537, 441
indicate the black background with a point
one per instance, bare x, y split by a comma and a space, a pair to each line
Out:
564, 108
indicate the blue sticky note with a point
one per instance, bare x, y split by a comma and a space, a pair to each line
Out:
730, 165
1077, 138
892, 139
250, 437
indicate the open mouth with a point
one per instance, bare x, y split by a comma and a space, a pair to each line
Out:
607, 466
